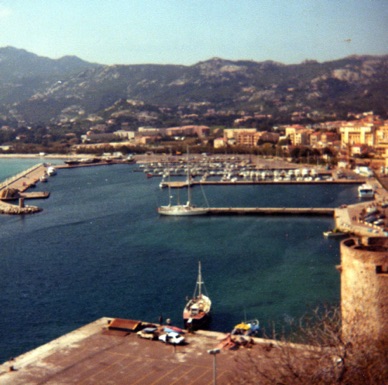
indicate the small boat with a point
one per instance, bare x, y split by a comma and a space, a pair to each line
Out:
334, 234
51, 171
130, 158
196, 313
72, 162
43, 178
247, 328
366, 191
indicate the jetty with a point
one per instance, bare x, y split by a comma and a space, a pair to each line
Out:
182, 184
270, 211
14, 189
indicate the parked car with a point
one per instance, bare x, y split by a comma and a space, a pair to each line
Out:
172, 338
148, 333
370, 218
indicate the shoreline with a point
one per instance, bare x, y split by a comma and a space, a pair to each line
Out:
47, 156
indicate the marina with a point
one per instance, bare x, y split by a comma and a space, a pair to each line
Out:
82, 256
124, 238
15, 188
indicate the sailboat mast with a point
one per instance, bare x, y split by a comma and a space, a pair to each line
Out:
188, 178
199, 281
169, 181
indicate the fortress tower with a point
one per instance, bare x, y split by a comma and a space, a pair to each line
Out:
364, 289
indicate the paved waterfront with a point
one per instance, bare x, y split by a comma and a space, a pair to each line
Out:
347, 218
21, 182
93, 355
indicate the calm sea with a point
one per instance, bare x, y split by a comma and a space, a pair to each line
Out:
99, 248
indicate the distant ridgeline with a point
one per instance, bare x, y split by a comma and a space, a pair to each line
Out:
37, 89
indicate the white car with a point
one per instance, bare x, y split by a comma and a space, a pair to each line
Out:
172, 338
148, 333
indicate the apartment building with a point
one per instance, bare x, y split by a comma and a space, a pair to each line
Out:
298, 135
358, 133
240, 136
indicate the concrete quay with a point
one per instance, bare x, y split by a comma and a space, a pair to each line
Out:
182, 184
270, 211
348, 218
15, 189
98, 355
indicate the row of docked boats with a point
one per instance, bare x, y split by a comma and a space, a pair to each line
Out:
241, 174
227, 169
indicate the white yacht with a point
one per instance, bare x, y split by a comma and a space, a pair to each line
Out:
183, 209
366, 191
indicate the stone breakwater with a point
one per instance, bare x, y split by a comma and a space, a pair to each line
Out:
7, 208
18, 185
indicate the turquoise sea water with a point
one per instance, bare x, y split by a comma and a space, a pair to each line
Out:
99, 248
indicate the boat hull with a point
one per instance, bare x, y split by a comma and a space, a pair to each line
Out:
197, 322
334, 234
366, 195
182, 210
366, 191
196, 313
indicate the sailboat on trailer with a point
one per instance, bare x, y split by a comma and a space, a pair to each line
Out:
183, 209
197, 310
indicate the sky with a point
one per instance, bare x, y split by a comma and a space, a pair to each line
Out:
189, 31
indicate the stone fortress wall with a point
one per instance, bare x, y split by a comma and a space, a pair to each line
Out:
364, 289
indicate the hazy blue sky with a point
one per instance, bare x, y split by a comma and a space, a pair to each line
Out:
188, 31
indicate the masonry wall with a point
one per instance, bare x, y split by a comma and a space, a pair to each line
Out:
364, 289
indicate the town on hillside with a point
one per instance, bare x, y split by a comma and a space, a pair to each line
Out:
362, 139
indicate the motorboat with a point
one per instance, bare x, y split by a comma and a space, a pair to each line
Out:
196, 313
43, 178
51, 171
334, 234
248, 328
366, 191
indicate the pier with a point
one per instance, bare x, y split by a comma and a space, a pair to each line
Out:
311, 211
97, 354
25, 179
14, 189
182, 184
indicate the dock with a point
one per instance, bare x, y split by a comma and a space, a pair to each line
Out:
182, 184
24, 179
310, 211
99, 355
14, 189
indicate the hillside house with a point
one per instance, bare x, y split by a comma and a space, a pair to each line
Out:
200, 131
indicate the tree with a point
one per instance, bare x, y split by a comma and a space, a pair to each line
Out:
324, 357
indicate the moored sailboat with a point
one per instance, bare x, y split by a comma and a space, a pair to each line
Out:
196, 313
182, 209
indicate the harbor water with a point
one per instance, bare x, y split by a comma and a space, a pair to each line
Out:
99, 248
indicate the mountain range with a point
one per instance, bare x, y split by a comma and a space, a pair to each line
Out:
36, 89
